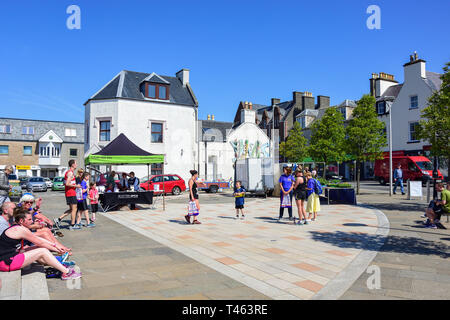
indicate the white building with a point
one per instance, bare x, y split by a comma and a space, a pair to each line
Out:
409, 99
158, 113
222, 144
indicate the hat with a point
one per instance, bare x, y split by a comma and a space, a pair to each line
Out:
26, 197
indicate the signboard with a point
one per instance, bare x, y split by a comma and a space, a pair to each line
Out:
414, 189
23, 167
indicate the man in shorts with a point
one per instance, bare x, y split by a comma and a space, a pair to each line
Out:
70, 187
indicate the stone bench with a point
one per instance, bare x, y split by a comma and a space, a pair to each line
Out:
27, 284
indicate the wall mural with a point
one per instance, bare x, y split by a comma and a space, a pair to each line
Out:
243, 149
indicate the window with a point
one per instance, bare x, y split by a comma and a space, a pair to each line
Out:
175, 178
70, 132
157, 179
157, 132
5, 128
28, 130
414, 102
27, 150
73, 152
4, 149
381, 107
105, 130
343, 111
155, 91
156, 169
302, 122
413, 131
55, 152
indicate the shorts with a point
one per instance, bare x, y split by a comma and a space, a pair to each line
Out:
239, 206
94, 207
82, 205
300, 195
71, 200
16, 263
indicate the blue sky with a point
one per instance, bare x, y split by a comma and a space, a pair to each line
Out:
236, 50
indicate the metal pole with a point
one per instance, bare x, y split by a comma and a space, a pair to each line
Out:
164, 190
435, 176
390, 152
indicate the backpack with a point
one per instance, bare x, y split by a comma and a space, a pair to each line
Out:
317, 187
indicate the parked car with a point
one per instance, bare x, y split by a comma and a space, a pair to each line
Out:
173, 183
49, 182
414, 168
36, 184
23, 180
58, 184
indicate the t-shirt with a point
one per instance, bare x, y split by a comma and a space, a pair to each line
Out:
84, 186
3, 225
446, 197
92, 193
310, 185
70, 192
286, 181
239, 200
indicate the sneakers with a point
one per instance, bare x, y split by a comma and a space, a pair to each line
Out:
424, 215
56, 223
431, 226
427, 222
436, 221
68, 263
300, 222
242, 217
75, 227
90, 225
72, 274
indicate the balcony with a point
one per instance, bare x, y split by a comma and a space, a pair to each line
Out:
49, 161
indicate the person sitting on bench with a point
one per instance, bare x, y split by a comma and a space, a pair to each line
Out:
437, 207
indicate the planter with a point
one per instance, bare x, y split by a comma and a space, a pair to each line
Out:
341, 195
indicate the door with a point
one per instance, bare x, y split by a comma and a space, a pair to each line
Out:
168, 184
156, 185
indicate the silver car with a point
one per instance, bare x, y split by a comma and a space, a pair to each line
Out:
36, 184
49, 182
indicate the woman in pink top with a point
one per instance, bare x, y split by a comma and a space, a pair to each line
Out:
93, 198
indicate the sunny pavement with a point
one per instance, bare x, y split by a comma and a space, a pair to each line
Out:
278, 260
414, 261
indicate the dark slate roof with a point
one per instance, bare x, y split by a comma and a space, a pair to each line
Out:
393, 91
127, 85
433, 80
218, 129
122, 146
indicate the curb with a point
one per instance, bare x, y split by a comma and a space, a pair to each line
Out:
345, 279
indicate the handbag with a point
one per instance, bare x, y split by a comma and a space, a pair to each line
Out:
192, 209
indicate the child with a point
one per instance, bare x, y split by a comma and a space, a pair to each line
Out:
313, 204
93, 198
82, 204
239, 194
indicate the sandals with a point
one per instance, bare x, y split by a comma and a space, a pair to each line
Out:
59, 234
188, 219
196, 222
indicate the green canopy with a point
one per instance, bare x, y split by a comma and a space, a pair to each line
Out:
121, 151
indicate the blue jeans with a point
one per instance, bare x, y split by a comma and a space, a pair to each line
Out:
399, 181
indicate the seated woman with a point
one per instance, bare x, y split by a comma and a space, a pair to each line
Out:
39, 220
11, 240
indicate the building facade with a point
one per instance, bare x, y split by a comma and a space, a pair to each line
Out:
40, 148
158, 113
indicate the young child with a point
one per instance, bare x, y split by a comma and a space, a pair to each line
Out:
93, 198
239, 194
82, 204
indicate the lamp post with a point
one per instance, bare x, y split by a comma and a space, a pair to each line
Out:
389, 101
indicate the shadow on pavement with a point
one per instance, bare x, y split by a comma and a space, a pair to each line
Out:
406, 245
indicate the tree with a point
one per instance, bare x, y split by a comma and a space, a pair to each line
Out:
435, 128
365, 134
327, 138
294, 149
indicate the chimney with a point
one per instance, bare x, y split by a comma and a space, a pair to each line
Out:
250, 105
247, 114
183, 75
212, 117
415, 68
379, 83
323, 102
308, 101
275, 101
209, 117
297, 97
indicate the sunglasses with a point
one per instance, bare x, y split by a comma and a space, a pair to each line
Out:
29, 202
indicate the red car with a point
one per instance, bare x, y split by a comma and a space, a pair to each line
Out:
172, 184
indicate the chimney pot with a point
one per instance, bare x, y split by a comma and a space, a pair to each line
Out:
212, 117
209, 117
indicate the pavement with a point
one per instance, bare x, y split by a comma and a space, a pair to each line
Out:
151, 254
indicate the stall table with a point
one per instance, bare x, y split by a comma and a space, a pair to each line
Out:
109, 200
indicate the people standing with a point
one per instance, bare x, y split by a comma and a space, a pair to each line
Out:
70, 187
124, 182
110, 182
5, 187
134, 184
82, 202
286, 186
300, 195
398, 178
194, 205
313, 204
239, 194
93, 198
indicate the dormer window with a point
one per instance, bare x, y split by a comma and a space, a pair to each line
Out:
155, 90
